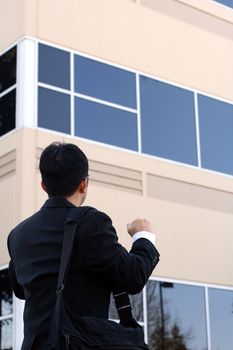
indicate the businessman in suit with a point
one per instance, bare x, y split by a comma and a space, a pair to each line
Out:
99, 264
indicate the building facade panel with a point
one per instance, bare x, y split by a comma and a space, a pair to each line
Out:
89, 28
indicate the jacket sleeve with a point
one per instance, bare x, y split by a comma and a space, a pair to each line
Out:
123, 270
17, 288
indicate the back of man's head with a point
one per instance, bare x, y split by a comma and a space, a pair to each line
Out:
62, 167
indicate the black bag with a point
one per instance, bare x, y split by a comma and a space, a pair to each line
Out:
87, 333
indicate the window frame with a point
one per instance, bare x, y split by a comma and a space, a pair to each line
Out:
73, 94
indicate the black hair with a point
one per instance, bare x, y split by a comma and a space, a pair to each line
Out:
63, 166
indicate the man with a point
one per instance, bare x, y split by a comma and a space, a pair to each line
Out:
99, 264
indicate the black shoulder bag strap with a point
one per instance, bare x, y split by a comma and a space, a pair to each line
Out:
122, 300
71, 225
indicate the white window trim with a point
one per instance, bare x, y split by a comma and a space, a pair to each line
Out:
198, 140
26, 83
138, 104
145, 318
72, 97
11, 88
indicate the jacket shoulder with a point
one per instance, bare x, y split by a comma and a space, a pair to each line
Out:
88, 212
24, 223
90, 220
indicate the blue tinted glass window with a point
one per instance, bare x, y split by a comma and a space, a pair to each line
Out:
6, 334
7, 112
221, 319
176, 316
167, 121
105, 124
105, 82
54, 66
216, 134
8, 69
226, 2
53, 110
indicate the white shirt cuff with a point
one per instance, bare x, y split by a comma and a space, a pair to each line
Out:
144, 234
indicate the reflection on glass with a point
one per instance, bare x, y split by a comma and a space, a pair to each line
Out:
221, 319
216, 130
105, 82
8, 69
54, 66
7, 112
226, 2
137, 307
6, 333
5, 294
112, 310
105, 124
167, 121
176, 316
53, 110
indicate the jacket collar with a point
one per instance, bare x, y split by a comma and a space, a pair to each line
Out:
57, 202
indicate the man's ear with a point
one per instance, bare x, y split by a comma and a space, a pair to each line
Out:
43, 186
83, 186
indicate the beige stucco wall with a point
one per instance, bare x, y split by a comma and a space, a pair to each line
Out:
191, 210
17, 183
9, 204
7, 208
189, 42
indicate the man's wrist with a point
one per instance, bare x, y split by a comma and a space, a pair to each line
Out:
144, 234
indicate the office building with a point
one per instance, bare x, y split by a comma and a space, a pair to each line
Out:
145, 88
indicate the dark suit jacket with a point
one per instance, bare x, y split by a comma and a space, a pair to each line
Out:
99, 264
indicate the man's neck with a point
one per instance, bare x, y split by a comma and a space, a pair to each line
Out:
76, 199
